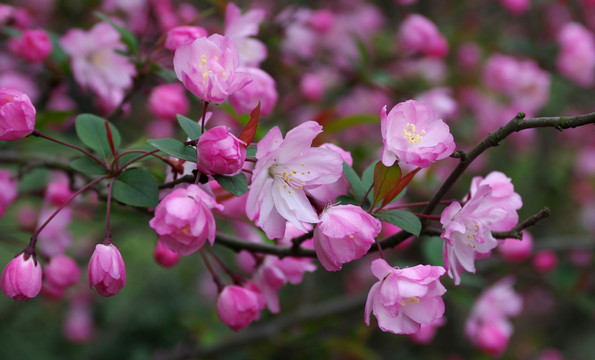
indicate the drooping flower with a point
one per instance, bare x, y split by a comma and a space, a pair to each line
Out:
164, 256
239, 306
184, 221
345, 233
413, 134
284, 168
207, 68
21, 278
220, 152
491, 206
403, 299
96, 65
17, 115
107, 271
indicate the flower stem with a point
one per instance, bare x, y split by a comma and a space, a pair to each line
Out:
216, 279
41, 135
204, 115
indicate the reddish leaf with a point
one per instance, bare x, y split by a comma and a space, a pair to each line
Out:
385, 179
249, 130
403, 182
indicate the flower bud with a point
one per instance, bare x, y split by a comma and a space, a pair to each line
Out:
21, 278
107, 271
17, 115
182, 35
418, 34
493, 338
238, 306
515, 250
34, 45
62, 271
220, 152
164, 256
168, 100
545, 261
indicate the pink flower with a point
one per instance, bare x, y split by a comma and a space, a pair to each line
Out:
576, 58
96, 65
491, 206
545, 261
413, 134
322, 20
427, 332
344, 233
417, 34
184, 221
168, 100
8, 195
182, 35
284, 168
238, 306
516, 7
62, 272
107, 271
488, 326
441, 100
207, 67
312, 87
17, 115
324, 193
164, 256
404, 299
78, 323
33, 45
55, 237
262, 89
21, 278
58, 191
515, 250
220, 152
240, 28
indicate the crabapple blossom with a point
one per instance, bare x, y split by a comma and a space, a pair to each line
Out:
17, 115
8, 195
262, 89
182, 35
441, 100
324, 193
515, 250
21, 278
97, 66
240, 28
426, 332
238, 306
545, 261
207, 68
413, 134
576, 58
164, 256
284, 169
344, 233
55, 237
107, 271
417, 34
168, 100
184, 220
220, 152
34, 45
404, 299
62, 271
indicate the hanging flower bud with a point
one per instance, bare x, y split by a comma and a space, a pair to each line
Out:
107, 271
17, 115
220, 152
164, 256
21, 278
238, 306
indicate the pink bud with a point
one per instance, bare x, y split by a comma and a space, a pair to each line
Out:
322, 20
57, 192
182, 35
17, 115
21, 278
418, 34
515, 250
545, 261
78, 325
493, 338
33, 45
220, 152
164, 256
8, 195
238, 306
107, 271
168, 100
312, 87
26, 217
62, 271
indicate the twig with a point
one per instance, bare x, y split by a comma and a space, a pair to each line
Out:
516, 231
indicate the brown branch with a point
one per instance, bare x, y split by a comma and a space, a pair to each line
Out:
516, 231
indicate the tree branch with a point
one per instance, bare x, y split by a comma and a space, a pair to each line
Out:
516, 231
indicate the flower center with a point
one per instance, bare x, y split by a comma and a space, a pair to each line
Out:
205, 70
410, 134
288, 178
410, 300
471, 233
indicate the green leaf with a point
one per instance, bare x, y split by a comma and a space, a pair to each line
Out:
346, 200
251, 152
401, 218
431, 249
86, 165
190, 127
354, 181
174, 148
136, 187
340, 124
125, 35
368, 180
237, 185
91, 130
385, 180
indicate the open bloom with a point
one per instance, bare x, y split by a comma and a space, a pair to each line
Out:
413, 134
403, 299
262, 89
207, 67
184, 221
576, 59
220, 152
240, 28
107, 271
17, 115
345, 233
285, 167
238, 306
21, 278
